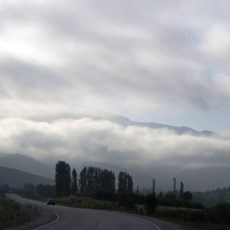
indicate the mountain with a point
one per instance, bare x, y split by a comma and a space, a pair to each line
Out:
17, 178
121, 120
205, 178
125, 121
27, 164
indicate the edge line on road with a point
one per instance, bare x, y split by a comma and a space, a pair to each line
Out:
140, 217
53, 222
156, 226
143, 218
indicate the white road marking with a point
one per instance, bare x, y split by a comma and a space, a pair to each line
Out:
156, 226
46, 225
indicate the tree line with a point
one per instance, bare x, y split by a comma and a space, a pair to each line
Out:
92, 181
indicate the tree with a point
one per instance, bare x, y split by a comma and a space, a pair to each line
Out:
46, 190
74, 182
127, 200
150, 204
121, 183
90, 176
125, 183
174, 185
154, 186
62, 179
129, 184
181, 190
138, 190
94, 180
29, 188
187, 195
83, 180
107, 181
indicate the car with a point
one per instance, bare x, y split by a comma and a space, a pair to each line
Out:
50, 201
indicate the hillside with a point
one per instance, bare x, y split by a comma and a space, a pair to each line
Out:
205, 178
27, 164
16, 178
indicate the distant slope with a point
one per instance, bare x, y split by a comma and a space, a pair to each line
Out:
27, 164
179, 130
205, 178
125, 121
16, 178
153, 125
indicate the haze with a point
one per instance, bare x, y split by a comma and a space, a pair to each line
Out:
70, 70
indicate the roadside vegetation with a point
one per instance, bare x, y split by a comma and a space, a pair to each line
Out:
13, 214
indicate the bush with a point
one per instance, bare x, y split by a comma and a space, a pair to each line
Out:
11, 213
127, 200
150, 204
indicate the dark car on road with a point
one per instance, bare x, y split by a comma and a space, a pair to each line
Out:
50, 201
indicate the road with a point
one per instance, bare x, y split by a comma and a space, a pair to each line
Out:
66, 218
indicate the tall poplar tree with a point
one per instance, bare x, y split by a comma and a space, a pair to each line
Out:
125, 183
62, 179
83, 180
74, 187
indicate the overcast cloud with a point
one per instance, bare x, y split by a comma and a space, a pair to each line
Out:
65, 64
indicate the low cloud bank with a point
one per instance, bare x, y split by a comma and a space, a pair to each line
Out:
90, 139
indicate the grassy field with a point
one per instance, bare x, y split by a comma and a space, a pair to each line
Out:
204, 226
87, 202
13, 214
161, 212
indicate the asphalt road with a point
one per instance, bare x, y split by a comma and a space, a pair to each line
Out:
66, 218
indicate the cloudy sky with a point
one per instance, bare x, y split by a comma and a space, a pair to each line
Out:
62, 63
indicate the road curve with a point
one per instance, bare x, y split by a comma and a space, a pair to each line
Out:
86, 219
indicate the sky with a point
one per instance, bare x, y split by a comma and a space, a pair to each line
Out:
63, 64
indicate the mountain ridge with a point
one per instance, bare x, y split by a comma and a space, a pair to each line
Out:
27, 164
125, 121
17, 178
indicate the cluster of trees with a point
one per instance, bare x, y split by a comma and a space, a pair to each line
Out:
125, 183
44, 190
101, 183
93, 181
4, 188
173, 200
214, 197
63, 179
176, 198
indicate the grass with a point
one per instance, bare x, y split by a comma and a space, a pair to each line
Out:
87, 202
13, 214
161, 212
204, 226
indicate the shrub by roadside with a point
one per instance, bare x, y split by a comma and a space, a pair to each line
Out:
13, 214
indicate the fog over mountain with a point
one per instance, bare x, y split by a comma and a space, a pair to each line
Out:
146, 150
